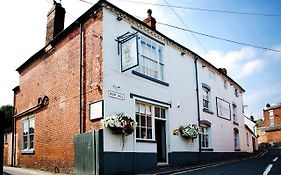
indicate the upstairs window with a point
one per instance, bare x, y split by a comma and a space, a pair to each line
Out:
234, 113
206, 92
28, 134
206, 98
271, 118
151, 61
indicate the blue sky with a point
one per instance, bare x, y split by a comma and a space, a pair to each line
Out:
257, 71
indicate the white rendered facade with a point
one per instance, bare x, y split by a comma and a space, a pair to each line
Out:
174, 91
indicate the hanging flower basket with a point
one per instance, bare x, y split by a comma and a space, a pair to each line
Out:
121, 124
190, 131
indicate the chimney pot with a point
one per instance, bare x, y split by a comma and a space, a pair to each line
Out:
150, 20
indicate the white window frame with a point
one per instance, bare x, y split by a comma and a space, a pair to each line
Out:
145, 61
206, 97
234, 113
236, 140
205, 133
28, 120
271, 117
153, 118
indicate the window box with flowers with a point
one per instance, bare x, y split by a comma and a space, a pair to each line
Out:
121, 124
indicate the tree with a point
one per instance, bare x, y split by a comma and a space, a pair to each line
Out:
260, 122
6, 113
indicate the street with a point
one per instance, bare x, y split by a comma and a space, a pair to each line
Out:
265, 164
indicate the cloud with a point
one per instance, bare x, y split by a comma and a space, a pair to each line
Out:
239, 63
250, 67
269, 93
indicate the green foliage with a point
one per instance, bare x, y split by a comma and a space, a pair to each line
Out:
6, 113
260, 122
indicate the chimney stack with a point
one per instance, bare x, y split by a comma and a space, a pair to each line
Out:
150, 20
55, 21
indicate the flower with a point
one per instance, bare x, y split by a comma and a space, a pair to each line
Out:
121, 124
189, 131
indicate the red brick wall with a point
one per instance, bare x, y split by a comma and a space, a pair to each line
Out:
56, 75
5, 160
274, 136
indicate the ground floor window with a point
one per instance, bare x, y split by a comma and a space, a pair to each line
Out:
28, 134
236, 139
145, 116
205, 136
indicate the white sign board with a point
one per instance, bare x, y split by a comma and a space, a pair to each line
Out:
223, 109
96, 110
116, 95
129, 54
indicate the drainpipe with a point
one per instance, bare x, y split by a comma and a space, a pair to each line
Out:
198, 107
81, 76
13, 133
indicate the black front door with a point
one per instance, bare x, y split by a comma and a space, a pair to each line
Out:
160, 133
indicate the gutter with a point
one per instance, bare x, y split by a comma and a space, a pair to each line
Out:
198, 107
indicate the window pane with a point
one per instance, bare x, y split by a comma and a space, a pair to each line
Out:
143, 120
149, 133
25, 127
142, 109
157, 112
143, 133
24, 142
138, 119
163, 114
148, 110
149, 122
138, 132
137, 107
31, 141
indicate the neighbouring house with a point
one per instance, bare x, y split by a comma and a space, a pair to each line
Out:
270, 132
7, 147
108, 62
251, 134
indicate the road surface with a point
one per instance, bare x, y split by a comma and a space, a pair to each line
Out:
264, 164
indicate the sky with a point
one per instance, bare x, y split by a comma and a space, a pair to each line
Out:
258, 71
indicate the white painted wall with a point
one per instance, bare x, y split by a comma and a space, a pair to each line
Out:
180, 74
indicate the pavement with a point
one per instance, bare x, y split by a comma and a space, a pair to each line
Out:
159, 171
24, 171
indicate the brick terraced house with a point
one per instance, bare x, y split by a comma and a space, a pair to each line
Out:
109, 62
271, 131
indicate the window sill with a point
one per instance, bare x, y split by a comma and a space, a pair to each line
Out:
146, 141
208, 111
207, 149
30, 151
150, 78
235, 123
